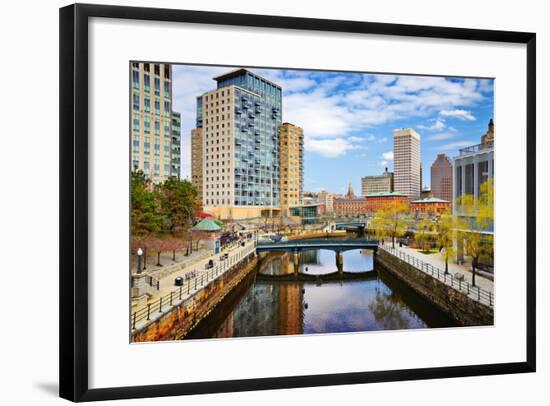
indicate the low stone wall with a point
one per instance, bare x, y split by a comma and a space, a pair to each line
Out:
462, 309
175, 324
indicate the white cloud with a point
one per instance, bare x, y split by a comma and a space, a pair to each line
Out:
458, 113
441, 136
388, 156
355, 139
454, 145
383, 163
438, 124
329, 148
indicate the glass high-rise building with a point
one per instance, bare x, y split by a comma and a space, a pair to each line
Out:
176, 144
153, 148
239, 122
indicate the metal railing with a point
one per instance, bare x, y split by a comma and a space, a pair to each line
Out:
475, 148
186, 291
482, 296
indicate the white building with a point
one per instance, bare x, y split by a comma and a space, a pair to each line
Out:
406, 162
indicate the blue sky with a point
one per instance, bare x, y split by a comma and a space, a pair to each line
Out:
349, 118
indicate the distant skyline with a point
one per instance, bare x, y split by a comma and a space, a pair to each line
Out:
349, 118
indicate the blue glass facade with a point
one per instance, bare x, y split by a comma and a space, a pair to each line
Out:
257, 117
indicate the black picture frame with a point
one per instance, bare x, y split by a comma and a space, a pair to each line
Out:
74, 195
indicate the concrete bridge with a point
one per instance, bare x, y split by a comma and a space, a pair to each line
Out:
338, 246
314, 244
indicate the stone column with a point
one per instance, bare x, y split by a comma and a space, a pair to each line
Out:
453, 186
339, 262
139, 284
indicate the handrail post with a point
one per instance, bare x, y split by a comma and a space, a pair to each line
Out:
180, 291
134, 322
171, 298
160, 305
148, 311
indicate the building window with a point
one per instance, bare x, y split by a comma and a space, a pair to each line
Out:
157, 69
147, 104
135, 99
157, 107
135, 79
166, 88
157, 87
147, 82
167, 71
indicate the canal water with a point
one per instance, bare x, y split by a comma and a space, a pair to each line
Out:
266, 307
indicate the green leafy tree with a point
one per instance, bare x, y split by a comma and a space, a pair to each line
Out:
179, 202
145, 217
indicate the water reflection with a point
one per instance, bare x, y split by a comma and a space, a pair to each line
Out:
290, 307
317, 262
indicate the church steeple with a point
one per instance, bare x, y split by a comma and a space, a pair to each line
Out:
490, 135
350, 190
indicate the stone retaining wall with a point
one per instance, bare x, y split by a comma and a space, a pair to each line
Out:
462, 309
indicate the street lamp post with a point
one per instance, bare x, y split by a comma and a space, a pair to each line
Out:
139, 254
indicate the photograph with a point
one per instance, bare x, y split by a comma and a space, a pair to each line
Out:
268, 201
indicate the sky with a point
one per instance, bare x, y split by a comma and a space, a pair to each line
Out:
349, 118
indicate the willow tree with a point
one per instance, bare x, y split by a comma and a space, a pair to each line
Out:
478, 215
424, 233
391, 221
448, 226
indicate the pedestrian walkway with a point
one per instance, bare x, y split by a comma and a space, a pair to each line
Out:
436, 260
169, 295
192, 268
482, 292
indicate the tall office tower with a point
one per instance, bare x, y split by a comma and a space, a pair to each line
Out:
327, 199
406, 162
196, 160
442, 177
240, 122
151, 99
377, 183
176, 145
291, 147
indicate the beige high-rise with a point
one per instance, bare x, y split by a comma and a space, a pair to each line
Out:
151, 129
291, 141
406, 162
196, 159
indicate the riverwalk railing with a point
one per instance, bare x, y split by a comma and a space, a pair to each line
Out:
474, 292
185, 293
